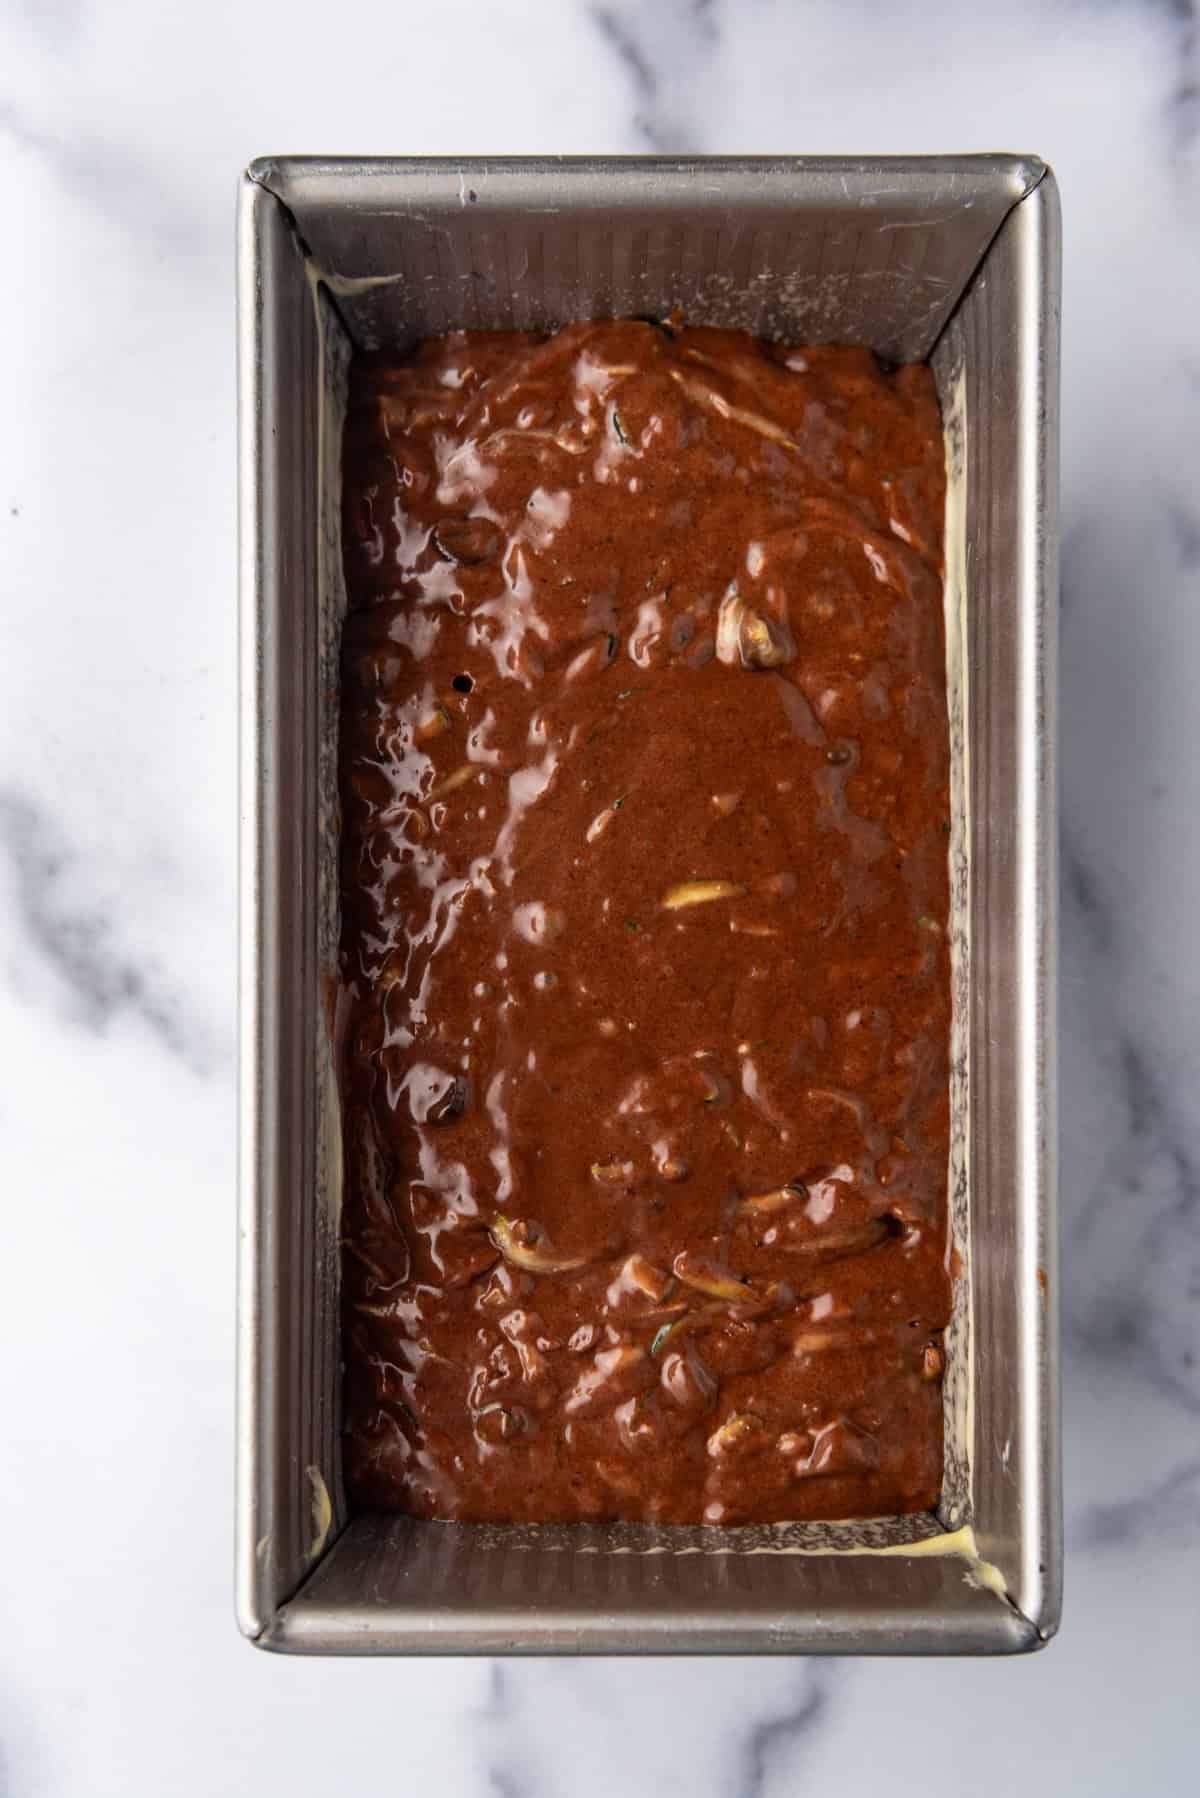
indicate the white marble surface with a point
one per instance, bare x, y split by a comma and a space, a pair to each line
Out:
122, 130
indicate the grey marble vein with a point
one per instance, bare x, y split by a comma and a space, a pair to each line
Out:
1081, 896
773, 1744
55, 23
504, 1743
101, 979
1132, 1240
1184, 100
650, 44
1184, 524
117, 182
502, 1780
623, 40
1171, 1509
725, 1728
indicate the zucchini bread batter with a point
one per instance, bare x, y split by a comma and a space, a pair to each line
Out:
645, 1001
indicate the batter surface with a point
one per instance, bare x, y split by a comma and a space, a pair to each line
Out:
646, 999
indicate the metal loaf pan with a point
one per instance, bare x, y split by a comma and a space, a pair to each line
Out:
951, 259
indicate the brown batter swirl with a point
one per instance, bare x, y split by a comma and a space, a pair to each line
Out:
646, 981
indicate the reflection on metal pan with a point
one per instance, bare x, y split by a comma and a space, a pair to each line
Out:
954, 259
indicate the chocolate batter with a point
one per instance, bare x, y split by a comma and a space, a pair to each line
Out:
646, 983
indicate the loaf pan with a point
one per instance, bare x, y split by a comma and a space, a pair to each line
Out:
950, 259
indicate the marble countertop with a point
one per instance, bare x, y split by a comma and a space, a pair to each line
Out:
122, 131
